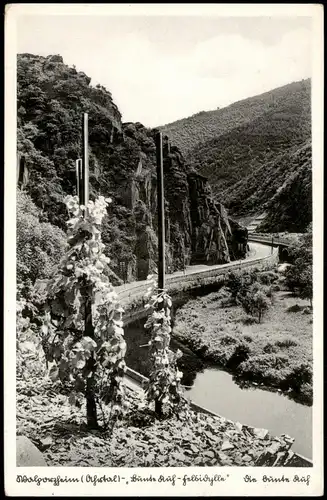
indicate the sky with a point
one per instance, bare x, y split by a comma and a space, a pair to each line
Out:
163, 68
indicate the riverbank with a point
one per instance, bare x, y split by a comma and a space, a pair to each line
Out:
276, 352
138, 439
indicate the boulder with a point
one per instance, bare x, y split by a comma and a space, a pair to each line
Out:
227, 445
27, 454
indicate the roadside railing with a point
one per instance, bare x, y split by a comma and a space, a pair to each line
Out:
137, 290
275, 241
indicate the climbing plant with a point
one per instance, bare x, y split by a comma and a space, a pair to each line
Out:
29, 353
83, 323
164, 385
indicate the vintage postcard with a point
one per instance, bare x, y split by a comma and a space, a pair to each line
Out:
163, 250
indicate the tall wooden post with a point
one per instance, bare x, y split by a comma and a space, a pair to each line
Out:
161, 234
79, 179
82, 168
161, 213
85, 159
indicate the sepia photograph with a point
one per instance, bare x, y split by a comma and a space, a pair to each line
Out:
163, 264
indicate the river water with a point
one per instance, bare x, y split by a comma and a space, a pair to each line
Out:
216, 390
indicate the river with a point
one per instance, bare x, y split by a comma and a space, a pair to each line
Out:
216, 390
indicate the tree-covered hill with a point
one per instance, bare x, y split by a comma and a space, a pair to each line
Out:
282, 188
189, 133
290, 208
52, 98
251, 149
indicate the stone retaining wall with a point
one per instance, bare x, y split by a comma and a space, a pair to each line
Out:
177, 284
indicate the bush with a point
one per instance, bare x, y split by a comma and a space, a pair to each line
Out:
307, 392
294, 309
228, 340
299, 274
40, 245
248, 320
269, 348
30, 359
255, 302
248, 338
286, 342
233, 283
300, 374
271, 367
267, 277
240, 355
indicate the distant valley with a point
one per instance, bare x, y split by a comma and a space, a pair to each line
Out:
256, 154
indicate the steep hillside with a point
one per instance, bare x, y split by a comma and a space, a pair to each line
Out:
264, 191
51, 100
188, 133
252, 149
290, 208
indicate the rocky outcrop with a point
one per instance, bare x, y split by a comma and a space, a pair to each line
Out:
52, 98
237, 240
27, 454
210, 226
197, 227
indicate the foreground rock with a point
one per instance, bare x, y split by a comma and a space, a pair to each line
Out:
139, 440
27, 454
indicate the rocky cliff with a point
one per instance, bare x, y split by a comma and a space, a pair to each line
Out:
51, 100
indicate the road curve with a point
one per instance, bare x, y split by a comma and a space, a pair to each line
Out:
135, 289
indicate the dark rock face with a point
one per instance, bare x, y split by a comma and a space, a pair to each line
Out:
210, 226
52, 98
197, 227
237, 240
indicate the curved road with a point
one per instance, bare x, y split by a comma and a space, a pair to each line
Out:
257, 251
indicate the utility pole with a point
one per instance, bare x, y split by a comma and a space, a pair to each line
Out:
161, 213
79, 179
82, 166
82, 174
85, 198
161, 233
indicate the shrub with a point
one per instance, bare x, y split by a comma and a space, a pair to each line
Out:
300, 374
295, 308
40, 245
240, 355
269, 348
272, 368
248, 320
255, 301
267, 277
286, 342
248, 338
30, 359
228, 340
233, 283
307, 392
263, 362
299, 275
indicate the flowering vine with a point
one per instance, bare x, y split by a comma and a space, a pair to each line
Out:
164, 385
83, 321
